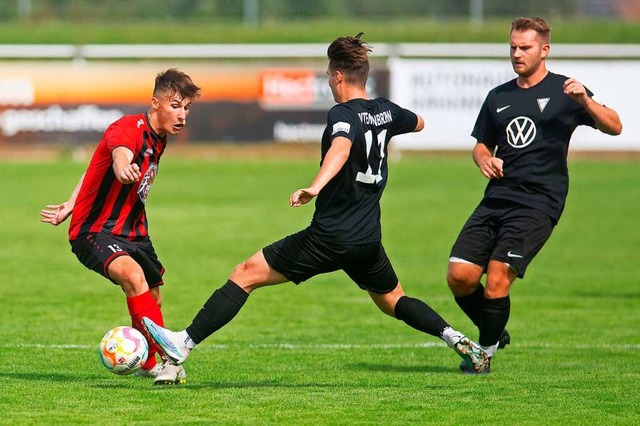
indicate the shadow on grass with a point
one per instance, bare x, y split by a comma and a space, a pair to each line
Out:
387, 368
48, 377
198, 385
101, 382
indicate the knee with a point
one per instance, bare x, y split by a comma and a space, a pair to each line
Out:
497, 288
243, 276
239, 271
460, 282
132, 282
135, 277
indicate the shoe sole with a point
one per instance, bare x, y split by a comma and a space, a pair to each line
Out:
181, 379
481, 366
169, 382
471, 371
505, 339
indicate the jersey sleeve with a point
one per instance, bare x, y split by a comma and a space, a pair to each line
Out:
120, 134
485, 129
405, 120
341, 121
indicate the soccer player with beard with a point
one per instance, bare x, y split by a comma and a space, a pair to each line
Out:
522, 132
109, 229
345, 232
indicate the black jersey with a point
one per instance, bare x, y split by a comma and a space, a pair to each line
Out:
348, 207
531, 129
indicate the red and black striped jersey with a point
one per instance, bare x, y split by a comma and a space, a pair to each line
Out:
104, 204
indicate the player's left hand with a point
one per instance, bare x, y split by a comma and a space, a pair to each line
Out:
300, 197
576, 90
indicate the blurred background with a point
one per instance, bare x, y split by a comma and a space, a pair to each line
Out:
254, 12
68, 68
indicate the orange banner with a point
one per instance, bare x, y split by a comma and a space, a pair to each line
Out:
37, 83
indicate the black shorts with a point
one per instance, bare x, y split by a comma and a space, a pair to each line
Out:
301, 256
97, 251
505, 231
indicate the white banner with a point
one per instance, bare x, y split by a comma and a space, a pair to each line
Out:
448, 94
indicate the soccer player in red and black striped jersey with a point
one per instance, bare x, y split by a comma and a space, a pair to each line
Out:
345, 232
109, 229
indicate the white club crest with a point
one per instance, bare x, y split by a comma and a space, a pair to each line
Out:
542, 103
147, 182
521, 131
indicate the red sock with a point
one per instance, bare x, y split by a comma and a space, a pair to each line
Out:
140, 306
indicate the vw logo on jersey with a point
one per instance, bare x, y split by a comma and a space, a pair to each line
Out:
521, 131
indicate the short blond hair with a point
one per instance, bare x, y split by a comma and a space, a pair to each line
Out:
538, 25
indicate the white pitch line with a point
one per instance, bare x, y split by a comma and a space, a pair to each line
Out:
340, 346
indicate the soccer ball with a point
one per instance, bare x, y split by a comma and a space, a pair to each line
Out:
123, 350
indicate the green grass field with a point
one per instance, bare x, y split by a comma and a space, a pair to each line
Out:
419, 30
321, 353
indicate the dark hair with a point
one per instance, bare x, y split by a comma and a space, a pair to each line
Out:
350, 55
174, 81
538, 25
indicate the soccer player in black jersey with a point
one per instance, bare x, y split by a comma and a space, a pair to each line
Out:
345, 230
522, 133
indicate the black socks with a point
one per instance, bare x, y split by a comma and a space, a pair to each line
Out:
420, 316
222, 307
489, 315
472, 304
495, 316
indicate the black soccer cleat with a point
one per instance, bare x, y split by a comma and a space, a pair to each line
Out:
505, 339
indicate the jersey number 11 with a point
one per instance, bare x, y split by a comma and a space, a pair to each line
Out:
374, 161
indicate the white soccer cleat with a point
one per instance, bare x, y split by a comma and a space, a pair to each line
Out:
171, 375
168, 341
152, 372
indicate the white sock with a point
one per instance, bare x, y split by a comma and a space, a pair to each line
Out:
451, 336
490, 350
186, 339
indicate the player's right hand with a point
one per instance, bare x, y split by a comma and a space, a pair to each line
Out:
129, 174
491, 168
300, 197
55, 214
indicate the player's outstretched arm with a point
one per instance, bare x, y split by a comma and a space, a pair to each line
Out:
55, 214
607, 119
334, 160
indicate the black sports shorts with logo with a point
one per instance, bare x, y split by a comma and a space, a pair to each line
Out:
505, 231
301, 256
97, 251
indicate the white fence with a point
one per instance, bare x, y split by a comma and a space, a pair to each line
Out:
303, 50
